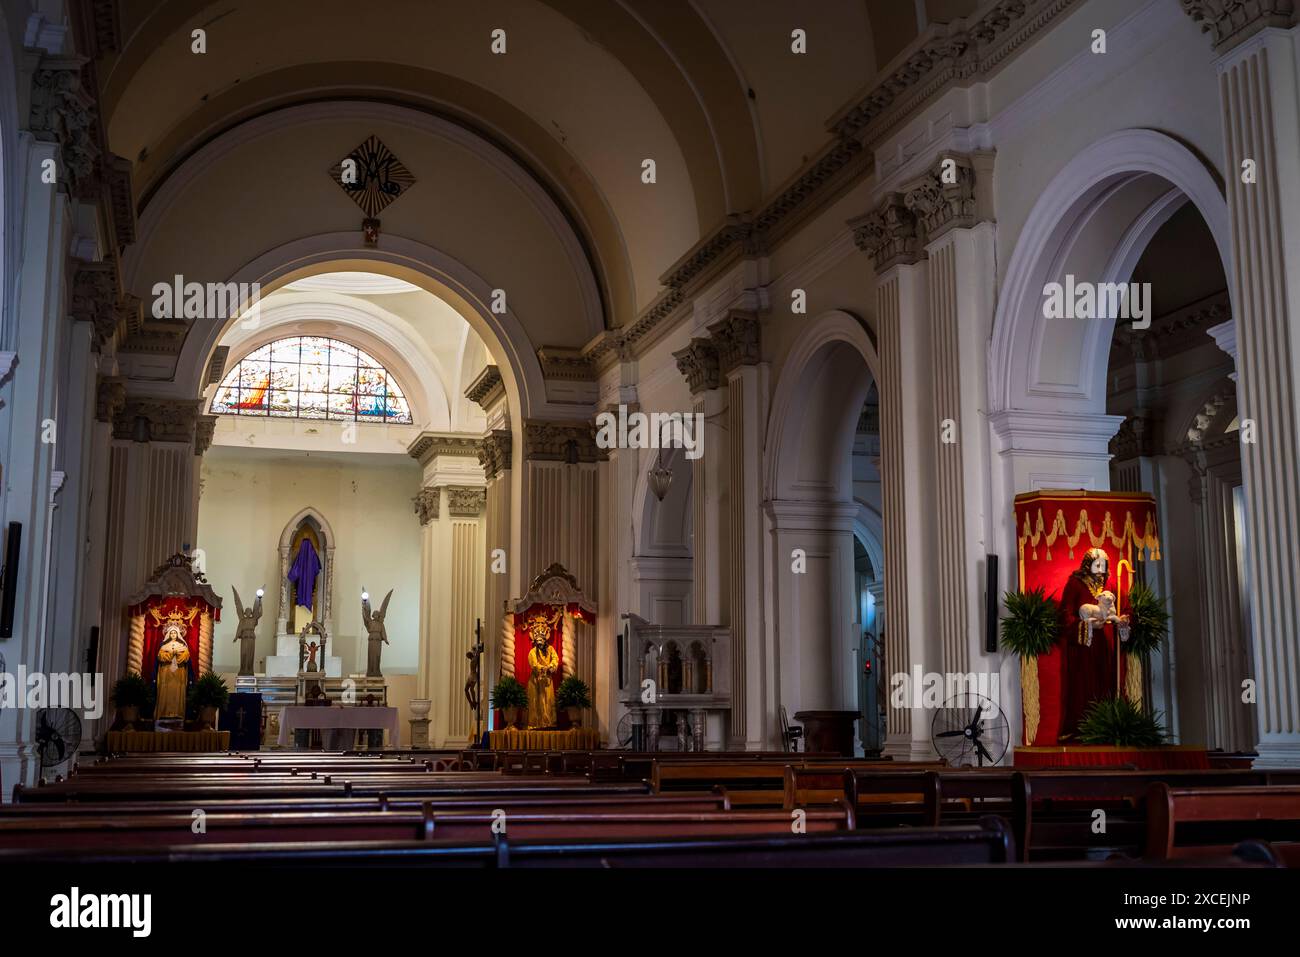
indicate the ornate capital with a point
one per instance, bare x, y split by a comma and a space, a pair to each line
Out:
429, 445
698, 362
889, 234
486, 388
735, 339
94, 298
465, 500
1136, 437
156, 419
1229, 22
944, 198
63, 111
426, 504
561, 442
110, 397
204, 429
494, 453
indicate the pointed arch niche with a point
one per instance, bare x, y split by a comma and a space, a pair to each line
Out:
307, 524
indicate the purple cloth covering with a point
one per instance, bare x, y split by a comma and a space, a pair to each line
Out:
303, 572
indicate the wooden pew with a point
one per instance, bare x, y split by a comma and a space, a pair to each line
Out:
1190, 822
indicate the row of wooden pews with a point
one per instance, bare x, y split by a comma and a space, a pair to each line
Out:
497, 809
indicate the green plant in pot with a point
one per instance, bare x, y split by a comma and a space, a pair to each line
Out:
511, 699
132, 696
207, 696
1122, 722
573, 696
1148, 627
1030, 629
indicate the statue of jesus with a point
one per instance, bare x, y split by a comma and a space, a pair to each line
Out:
1091, 638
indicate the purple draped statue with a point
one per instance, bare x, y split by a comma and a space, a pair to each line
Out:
303, 572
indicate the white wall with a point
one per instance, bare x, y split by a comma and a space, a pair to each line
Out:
247, 497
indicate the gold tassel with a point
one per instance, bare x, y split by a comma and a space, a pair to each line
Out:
1133, 679
1029, 697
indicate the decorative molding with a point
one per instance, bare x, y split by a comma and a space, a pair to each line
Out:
94, 298
494, 453
429, 445
157, 419
216, 366
735, 340
570, 442
106, 26
110, 397
1231, 22
1174, 332
569, 364
698, 362
889, 234
486, 388
465, 500
117, 182
1136, 437
426, 504
63, 111
204, 429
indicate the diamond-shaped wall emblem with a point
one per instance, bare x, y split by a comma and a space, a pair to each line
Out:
374, 178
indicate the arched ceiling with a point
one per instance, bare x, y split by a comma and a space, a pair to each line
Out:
587, 89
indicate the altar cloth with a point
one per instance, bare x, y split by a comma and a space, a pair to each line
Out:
574, 739
355, 718
133, 742
1170, 757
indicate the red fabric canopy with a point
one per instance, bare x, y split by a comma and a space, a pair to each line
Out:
153, 630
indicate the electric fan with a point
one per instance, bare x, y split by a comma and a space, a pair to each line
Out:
970, 730
58, 735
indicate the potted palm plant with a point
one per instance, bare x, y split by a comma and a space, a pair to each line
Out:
1148, 626
573, 696
1029, 630
207, 697
131, 695
511, 699
1119, 721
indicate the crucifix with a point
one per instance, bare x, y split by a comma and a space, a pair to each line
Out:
473, 684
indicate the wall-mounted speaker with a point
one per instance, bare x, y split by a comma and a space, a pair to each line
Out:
9, 579
990, 603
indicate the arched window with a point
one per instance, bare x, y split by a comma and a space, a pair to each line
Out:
312, 377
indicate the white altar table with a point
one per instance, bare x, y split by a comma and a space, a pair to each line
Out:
360, 718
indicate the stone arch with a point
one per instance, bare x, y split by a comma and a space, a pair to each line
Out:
1125, 185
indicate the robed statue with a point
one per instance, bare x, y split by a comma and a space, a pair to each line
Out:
246, 630
173, 664
543, 663
377, 635
1091, 638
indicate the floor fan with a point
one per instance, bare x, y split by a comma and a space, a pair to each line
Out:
970, 730
58, 735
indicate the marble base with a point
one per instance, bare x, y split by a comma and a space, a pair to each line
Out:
284, 663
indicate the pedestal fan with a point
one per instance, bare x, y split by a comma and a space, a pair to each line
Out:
58, 735
970, 730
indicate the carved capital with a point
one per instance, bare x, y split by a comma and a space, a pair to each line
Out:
465, 500
889, 234
1230, 22
94, 298
430, 445
110, 397
944, 198
735, 339
570, 442
426, 504
63, 111
1136, 437
156, 419
204, 429
698, 362
494, 453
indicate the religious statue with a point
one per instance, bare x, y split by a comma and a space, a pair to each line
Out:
246, 630
378, 635
1088, 612
311, 657
543, 662
173, 670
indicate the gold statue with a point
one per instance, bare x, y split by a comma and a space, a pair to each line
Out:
173, 663
543, 662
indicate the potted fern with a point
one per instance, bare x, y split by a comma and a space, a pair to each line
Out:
207, 697
131, 696
573, 696
1119, 721
511, 699
1148, 627
1030, 628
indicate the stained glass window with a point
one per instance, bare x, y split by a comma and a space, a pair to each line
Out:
311, 377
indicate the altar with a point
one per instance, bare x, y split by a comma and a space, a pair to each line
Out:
355, 718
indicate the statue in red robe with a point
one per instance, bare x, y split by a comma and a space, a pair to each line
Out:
1090, 638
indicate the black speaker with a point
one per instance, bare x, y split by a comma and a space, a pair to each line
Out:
9, 581
990, 603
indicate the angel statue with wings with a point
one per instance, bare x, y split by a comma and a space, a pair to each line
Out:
378, 635
246, 630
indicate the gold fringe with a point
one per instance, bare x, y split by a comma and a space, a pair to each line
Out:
1029, 696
